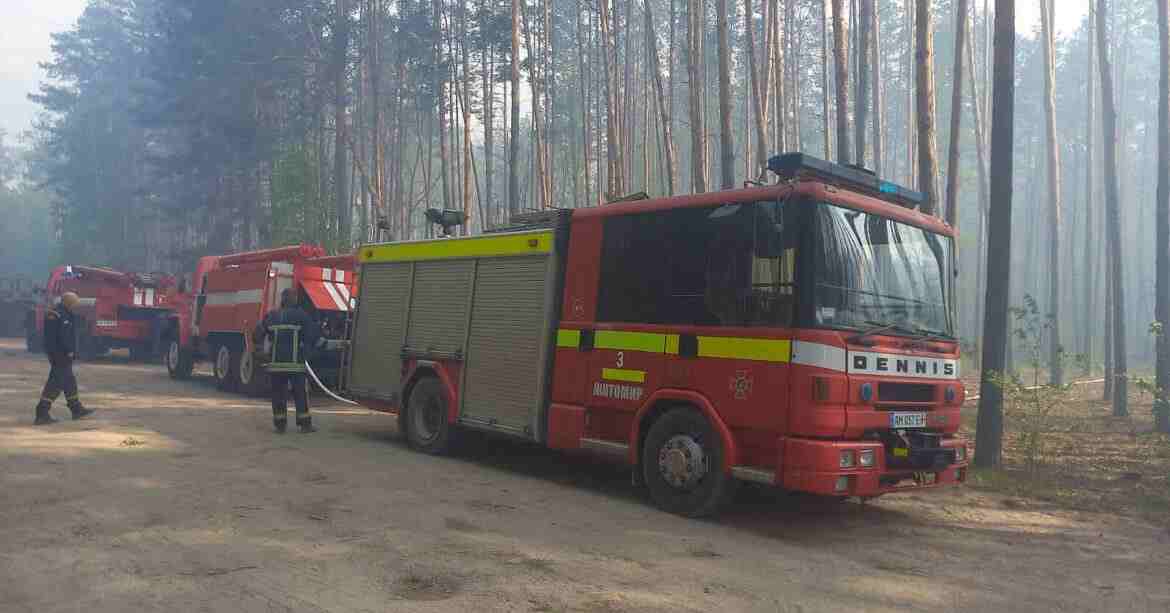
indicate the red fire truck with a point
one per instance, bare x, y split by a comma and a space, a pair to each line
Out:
118, 309
799, 335
219, 307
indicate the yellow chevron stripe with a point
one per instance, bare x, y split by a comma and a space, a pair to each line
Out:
622, 374
569, 338
649, 342
759, 349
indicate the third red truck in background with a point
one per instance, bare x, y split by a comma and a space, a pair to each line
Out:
118, 309
217, 309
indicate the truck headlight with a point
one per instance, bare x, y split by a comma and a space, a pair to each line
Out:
865, 457
847, 459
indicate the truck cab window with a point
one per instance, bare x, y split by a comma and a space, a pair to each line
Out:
729, 265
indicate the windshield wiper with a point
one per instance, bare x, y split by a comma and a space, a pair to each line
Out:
877, 327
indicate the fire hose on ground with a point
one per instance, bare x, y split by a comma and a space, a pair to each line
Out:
329, 392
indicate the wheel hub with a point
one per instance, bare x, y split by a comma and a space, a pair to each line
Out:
681, 461
246, 368
222, 362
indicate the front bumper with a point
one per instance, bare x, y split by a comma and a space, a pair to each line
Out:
814, 466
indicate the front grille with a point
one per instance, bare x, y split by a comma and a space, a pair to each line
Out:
905, 392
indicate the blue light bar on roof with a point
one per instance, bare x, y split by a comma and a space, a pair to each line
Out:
796, 165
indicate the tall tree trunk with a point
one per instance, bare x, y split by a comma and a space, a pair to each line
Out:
488, 64
1162, 265
826, 112
989, 426
841, 74
1055, 368
616, 183
514, 145
779, 94
696, 99
539, 150
378, 163
465, 106
956, 114
1113, 211
441, 103
726, 142
1090, 260
865, 54
879, 115
978, 108
924, 88
340, 166
911, 139
660, 96
582, 79
759, 105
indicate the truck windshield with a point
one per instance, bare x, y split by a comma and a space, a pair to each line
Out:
873, 272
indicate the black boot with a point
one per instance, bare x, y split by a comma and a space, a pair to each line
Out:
79, 411
43, 418
306, 426
280, 425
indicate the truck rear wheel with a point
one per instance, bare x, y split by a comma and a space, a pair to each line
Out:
682, 465
427, 427
32, 341
180, 362
253, 379
225, 368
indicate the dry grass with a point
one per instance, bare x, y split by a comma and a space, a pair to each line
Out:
1092, 461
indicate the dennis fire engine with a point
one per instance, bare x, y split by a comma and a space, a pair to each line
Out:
798, 335
118, 309
217, 310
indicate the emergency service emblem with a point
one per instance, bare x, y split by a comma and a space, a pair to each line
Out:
741, 384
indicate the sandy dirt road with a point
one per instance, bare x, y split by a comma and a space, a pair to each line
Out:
179, 498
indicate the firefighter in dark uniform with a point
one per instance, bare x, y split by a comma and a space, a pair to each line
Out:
293, 335
60, 342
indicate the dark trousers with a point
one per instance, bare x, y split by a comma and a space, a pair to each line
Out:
280, 385
61, 379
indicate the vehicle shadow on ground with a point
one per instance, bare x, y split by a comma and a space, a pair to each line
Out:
769, 512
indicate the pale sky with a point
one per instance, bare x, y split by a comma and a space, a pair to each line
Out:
24, 41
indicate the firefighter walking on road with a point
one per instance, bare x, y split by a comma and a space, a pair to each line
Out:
60, 342
293, 335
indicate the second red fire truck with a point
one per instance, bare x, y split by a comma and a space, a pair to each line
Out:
218, 308
798, 335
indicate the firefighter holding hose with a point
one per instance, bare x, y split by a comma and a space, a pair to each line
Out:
293, 336
61, 347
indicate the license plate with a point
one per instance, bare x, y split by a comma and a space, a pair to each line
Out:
899, 421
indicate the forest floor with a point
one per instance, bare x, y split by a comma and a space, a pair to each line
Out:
1087, 459
178, 497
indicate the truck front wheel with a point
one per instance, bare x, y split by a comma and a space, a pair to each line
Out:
180, 362
427, 427
682, 465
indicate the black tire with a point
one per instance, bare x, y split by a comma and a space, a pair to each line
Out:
32, 341
180, 362
683, 447
225, 367
427, 427
251, 375
139, 352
